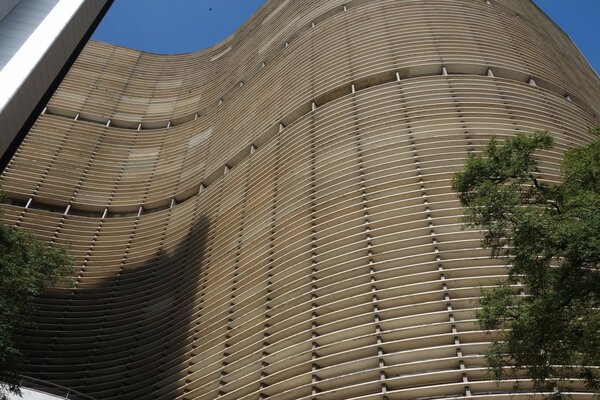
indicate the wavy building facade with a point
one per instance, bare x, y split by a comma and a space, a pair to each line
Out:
272, 218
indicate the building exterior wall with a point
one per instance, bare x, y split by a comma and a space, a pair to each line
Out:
272, 217
37, 38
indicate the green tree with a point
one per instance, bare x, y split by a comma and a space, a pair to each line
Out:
27, 267
545, 318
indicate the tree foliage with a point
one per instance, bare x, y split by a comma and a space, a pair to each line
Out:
27, 267
546, 316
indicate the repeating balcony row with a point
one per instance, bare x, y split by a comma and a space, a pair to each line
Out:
290, 70
455, 107
324, 256
343, 314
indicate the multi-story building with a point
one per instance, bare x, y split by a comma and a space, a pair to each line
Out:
272, 218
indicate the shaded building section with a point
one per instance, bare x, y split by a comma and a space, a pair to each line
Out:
272, 218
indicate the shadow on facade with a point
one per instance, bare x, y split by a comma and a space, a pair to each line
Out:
129, 336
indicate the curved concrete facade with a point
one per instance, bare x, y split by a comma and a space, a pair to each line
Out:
272, 218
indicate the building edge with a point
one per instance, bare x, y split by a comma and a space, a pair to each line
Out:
15, 141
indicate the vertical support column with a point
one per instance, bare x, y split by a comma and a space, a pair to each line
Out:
314, 260
53, 159
229, 336
369, 242
270, 265
453, 327
22, 213
154, 167
196, 228
88, 165
440, 267
210, 212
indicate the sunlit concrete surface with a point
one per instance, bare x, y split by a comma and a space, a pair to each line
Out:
36, 39
272, 218
28, 394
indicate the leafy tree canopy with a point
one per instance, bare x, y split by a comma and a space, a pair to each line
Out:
27, 267
546, 317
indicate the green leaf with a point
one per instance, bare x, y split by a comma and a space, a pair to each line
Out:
27, 268
550, 236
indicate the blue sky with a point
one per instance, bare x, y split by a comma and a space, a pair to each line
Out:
580, 20
173, 26
181, 26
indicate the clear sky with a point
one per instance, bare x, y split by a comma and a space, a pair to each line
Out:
580, 19
173, 26
181, 26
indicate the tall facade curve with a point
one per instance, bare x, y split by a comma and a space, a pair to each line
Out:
272, 218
